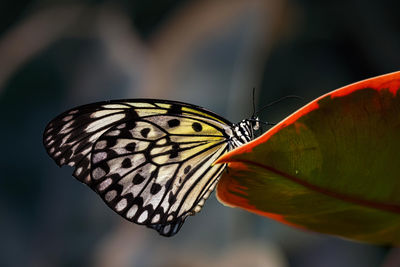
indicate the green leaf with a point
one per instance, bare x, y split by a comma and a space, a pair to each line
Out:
332, 167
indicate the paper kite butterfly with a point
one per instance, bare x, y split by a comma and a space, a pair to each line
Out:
151, 161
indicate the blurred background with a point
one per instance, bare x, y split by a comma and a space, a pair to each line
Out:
55, 55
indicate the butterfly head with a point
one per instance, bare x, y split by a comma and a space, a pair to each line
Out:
248, 129
244, 131
255, 123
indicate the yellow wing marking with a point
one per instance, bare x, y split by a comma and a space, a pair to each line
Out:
188, 126
186, 109
162, 105
191, 149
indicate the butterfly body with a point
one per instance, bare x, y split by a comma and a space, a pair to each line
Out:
149, 160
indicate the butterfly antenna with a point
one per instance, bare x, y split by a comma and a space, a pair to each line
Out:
254, 102
262, 122
276, 102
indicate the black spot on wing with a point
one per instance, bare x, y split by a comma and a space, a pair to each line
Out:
155, 188
145, 132
187, 169
131, 146
197, 127
126, 163
130, 125
169, 183
175, 109
174, 151
111, 140
138, 179
173, 123
171, 198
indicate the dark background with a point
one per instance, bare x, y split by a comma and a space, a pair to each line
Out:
55, 55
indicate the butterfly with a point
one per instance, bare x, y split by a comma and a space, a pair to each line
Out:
151, 161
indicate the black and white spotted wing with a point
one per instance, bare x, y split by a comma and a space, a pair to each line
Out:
149, 160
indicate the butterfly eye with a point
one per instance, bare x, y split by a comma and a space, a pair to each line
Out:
256, 124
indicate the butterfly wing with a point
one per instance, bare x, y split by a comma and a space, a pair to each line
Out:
149, 160
69, 137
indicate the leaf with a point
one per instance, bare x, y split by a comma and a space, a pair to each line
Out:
333, 166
